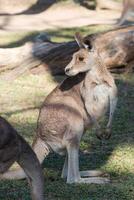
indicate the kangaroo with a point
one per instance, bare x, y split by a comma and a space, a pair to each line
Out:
14, 148
128, 11
72, 107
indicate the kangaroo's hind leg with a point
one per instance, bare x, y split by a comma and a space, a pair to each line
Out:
88, 173
74, 175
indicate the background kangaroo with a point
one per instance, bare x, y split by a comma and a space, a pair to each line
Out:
14, 148
72, 107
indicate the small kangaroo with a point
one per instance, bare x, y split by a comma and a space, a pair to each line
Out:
14, 148
128, 11
72, 107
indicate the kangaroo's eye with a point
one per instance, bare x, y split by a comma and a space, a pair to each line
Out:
81, 58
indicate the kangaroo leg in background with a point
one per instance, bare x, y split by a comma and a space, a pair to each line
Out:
124, 12
127, 12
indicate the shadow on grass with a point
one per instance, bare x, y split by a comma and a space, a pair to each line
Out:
42, 5
38, 7
87, 4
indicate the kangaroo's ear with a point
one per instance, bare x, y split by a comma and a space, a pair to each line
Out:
79, 40
83, 43
88, 44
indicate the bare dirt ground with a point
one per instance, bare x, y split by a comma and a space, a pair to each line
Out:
53, 17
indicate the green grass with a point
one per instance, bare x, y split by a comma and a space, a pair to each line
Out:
19, 104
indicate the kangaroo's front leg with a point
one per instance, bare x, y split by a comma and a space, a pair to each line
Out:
94, 121
98, 130
113, 102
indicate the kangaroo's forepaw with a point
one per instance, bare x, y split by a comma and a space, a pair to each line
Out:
107, 133
99, 134
103, 134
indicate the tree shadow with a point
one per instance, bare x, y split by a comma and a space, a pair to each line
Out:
87, 4
38, 7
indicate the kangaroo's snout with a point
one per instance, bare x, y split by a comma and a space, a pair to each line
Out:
67, 70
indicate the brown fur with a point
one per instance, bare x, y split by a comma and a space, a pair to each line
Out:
14, 148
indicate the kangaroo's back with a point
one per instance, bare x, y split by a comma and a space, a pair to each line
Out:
69, 87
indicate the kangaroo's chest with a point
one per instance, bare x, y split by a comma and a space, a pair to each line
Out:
97, 99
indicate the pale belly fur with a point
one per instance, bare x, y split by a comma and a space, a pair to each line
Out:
98, 100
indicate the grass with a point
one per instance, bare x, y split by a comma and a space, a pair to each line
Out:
19, 104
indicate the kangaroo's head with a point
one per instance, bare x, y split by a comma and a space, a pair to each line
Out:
83, 60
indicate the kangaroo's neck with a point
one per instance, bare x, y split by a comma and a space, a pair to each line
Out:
99, 74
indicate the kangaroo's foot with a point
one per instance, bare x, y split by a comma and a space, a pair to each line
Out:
95, 180
93, 173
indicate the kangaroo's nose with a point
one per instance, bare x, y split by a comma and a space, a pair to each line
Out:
67, 70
